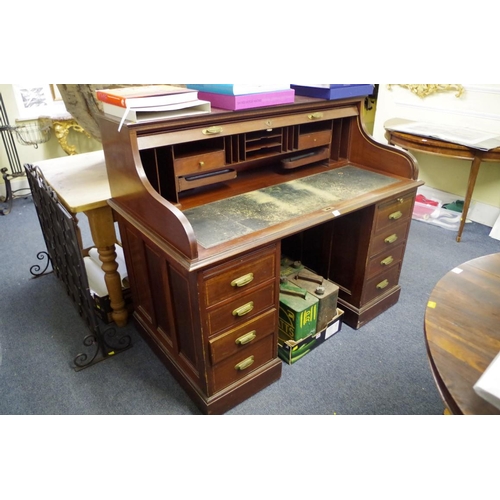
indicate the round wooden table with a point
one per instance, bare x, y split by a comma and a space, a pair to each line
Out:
462, 330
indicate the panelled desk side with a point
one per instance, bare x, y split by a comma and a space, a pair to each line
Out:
208, 302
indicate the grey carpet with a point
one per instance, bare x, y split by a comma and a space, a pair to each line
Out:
381, 369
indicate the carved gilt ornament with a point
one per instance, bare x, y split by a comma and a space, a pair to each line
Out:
426, 89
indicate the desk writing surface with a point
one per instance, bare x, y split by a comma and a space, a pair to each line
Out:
224, 220
80, 181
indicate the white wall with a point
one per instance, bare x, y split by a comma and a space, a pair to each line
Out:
479, 108
50, 149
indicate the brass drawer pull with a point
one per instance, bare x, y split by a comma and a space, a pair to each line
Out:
243, 365
247, 338
391, 239
383, 284
396, 215
242, 281
212, 130
387, 261
315, 116
241, 311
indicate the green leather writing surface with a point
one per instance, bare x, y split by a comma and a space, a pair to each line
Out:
224, 220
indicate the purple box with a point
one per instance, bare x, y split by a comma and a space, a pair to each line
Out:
332, 91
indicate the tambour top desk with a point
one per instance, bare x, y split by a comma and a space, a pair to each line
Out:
208, 205
451, 150
462, 332
81, 185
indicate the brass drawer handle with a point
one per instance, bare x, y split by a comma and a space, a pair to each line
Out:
391, 239
387, 261
242, 280
247, 338
315, 116
212, 130
243, 365
383, 284
241, 311
396, 215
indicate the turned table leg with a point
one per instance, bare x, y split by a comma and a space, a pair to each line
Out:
103, 234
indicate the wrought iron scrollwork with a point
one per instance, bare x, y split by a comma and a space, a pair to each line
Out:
36, 269
61, 235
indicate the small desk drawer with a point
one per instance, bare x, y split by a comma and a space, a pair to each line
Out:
315, 139
394, 212
239, 365
389, 238
196, 164
382, 262
381, 284
236, 312
242, 338
236, 277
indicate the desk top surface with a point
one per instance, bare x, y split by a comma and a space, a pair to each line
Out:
461, 328
80, 181
221, 221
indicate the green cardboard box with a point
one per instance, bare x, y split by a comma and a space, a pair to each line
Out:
298, 315
291, 351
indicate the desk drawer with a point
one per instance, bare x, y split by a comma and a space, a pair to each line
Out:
392, 213
242, 338
242, 363
236, 277
389, 238
315, 139
391, 257
381, 284
199, 163
236, 312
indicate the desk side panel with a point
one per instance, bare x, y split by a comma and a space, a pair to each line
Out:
132, 192
364, 150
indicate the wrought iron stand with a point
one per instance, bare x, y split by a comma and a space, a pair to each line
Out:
60, 232
29, 134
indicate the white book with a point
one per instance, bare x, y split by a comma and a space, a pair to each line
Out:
154, 113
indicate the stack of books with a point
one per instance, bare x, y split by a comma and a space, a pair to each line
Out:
237, 96
332, 91
151, 102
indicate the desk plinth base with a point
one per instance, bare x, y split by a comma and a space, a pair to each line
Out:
225, 399
357, 317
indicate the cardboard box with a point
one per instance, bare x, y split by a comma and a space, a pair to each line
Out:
291, 351
332, 91
298, 314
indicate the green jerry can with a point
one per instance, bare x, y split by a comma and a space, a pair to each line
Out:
324, 290
298, 316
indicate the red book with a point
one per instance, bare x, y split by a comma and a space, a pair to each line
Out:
146, 95
247, 101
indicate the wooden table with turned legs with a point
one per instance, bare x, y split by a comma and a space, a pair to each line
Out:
81, 185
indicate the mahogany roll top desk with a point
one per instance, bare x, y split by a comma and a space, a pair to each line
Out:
207, 207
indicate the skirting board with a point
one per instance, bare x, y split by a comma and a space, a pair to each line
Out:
478, 212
